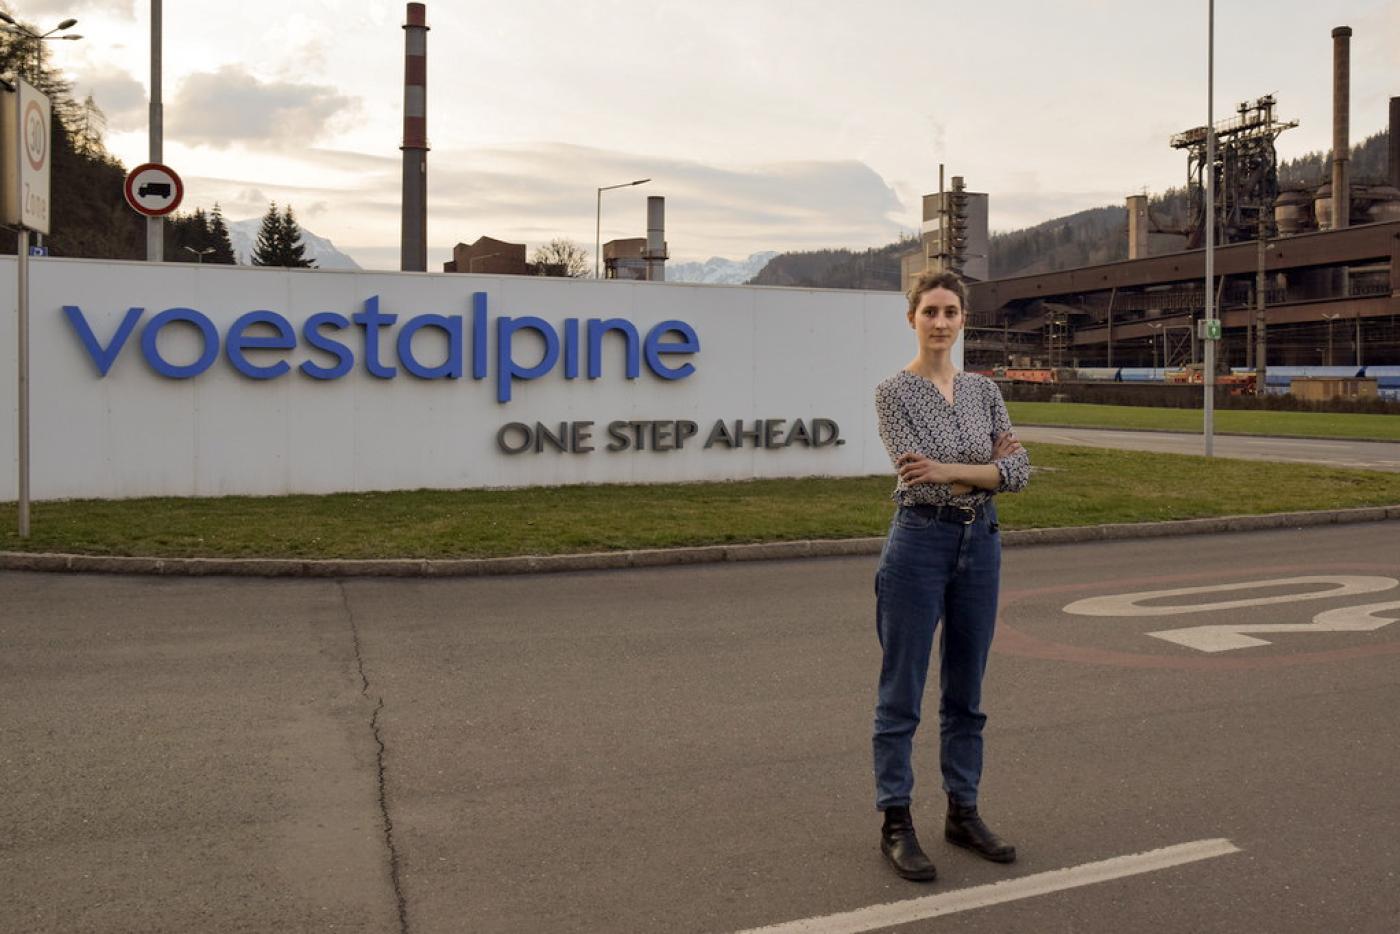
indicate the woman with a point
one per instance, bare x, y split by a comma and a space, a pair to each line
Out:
949, 436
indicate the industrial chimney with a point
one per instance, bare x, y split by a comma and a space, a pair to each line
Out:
655, 253
1341, 118
413, 249
1137, 226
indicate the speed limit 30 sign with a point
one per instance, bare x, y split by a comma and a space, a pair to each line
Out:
153, 189
24, 192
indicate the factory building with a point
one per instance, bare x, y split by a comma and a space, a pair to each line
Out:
491, 256
640, 258
1300, 281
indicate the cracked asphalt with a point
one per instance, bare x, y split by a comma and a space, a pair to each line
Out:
677, 749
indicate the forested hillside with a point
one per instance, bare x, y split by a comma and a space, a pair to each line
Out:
838, 269
1097, 235
1368, 160
89, 215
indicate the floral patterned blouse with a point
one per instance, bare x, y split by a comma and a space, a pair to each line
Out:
915, 416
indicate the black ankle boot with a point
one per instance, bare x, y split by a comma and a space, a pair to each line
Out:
901, 847
964, 828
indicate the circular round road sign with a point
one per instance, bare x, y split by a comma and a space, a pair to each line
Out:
36, 136
153, 189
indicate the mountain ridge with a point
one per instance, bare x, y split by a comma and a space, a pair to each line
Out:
244, 234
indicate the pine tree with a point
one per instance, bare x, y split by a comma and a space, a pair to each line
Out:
218, 239
279, 241
267, 251
293, 250
199, 233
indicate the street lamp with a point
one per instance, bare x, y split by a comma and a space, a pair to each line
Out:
1330, 318
200, 253
598, 235
37, 37
1157, 326
1209, 379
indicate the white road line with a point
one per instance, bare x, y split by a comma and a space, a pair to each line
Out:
933, 906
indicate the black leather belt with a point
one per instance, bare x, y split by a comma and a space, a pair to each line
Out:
961, 515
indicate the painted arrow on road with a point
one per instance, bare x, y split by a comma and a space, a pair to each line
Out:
1224, 638
1304, 588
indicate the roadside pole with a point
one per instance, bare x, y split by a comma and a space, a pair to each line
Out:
22, 349
1210, 327
155, 225
25, 159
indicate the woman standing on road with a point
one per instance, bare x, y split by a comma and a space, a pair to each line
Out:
949, 436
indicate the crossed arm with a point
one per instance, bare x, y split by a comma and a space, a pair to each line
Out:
963, 478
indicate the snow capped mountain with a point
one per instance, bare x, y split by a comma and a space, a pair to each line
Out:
243, 234
719, 271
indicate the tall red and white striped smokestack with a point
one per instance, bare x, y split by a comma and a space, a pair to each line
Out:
413, 250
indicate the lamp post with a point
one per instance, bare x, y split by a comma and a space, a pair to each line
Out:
1156, 326
155, 131
200, 253
1210, 234
1330, 319
36, 38
598, 230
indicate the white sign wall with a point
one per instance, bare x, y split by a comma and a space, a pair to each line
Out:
769, 354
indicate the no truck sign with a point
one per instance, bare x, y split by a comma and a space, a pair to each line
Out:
154, 190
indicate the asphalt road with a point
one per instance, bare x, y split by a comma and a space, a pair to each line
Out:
686, 749
1361, 455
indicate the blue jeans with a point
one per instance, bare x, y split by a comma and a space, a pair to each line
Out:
934, 568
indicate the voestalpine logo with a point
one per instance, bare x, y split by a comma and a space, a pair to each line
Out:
576, 343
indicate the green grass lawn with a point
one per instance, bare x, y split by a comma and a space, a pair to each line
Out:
1075, 486
1281, 424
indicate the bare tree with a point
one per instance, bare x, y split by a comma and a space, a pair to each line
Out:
561, 257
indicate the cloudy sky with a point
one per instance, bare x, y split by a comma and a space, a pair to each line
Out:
767, 125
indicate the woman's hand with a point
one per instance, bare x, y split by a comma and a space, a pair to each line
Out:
916, 468
1005, 445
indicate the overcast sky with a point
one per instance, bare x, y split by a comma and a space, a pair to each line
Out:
766, 125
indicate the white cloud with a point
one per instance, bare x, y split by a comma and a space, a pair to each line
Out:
56, 9
231, 106
120, 96
531, 193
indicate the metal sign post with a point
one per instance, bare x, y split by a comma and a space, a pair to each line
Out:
22, 260
25, 159
155, 223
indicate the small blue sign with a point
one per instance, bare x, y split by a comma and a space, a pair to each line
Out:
38, 251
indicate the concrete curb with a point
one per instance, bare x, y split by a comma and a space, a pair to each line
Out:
653, 557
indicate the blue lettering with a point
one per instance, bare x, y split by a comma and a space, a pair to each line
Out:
506, 367
373, 321
479, 335
311, 333
571, 348
330, 356
654, 349
188, 315
239, 341
102, 357
596, 329
451, 368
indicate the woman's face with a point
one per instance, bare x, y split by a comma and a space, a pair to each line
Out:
938, 319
